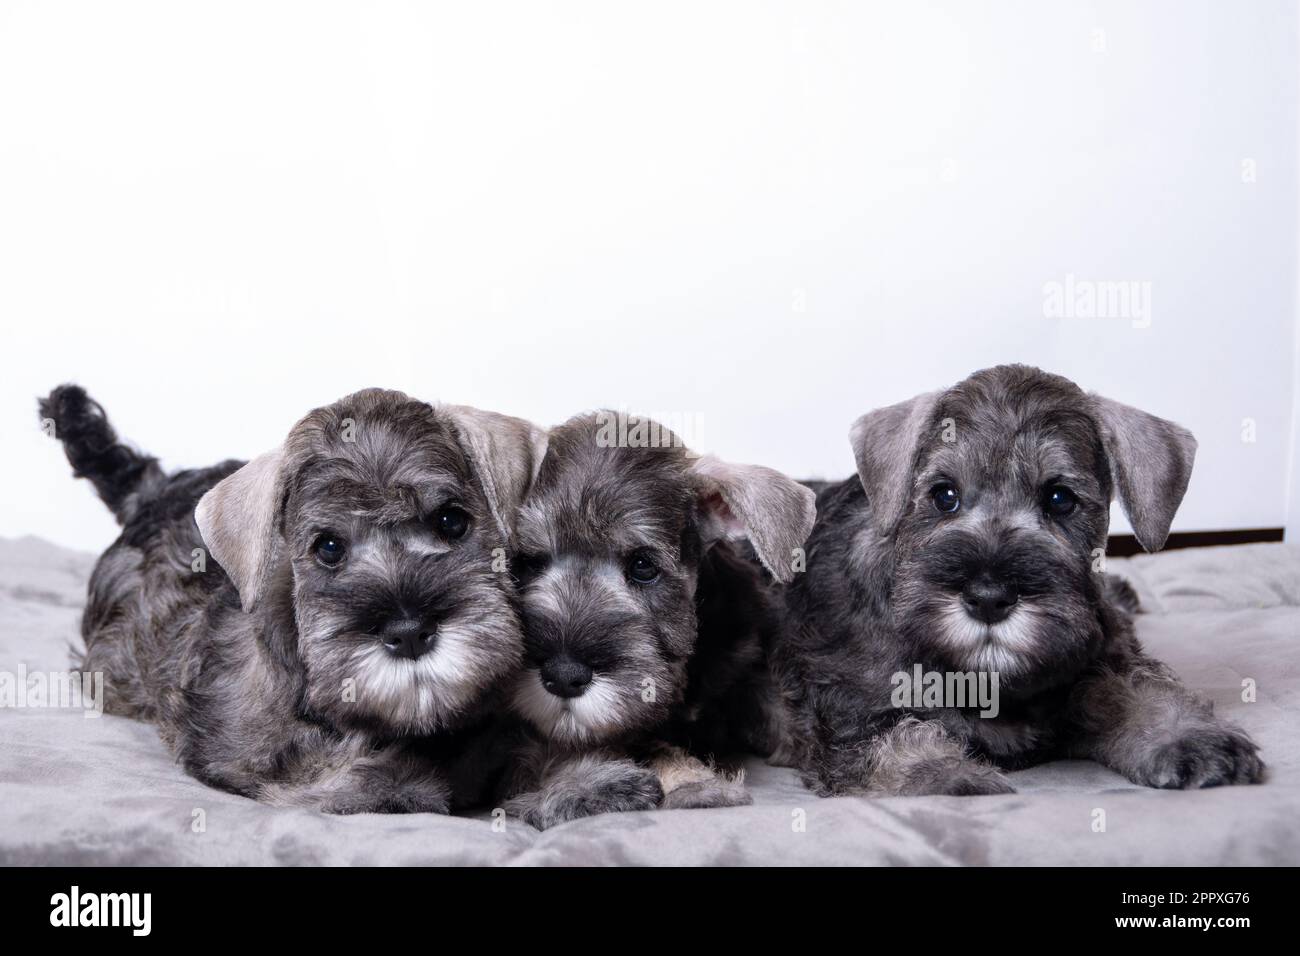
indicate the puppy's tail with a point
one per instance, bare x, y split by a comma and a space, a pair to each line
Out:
116, 470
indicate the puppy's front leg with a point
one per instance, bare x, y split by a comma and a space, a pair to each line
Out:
358, 779
691, 784
582, 785
1139, 720
909, 758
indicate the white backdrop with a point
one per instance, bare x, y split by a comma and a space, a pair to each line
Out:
760, 219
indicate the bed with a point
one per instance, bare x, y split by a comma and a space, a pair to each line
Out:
76, 790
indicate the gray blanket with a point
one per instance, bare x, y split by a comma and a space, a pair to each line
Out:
78, 790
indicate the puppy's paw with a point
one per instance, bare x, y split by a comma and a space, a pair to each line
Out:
364, 788
971, 780
691, 783
388, 783
946, 778
939, 777
913, 758
704, 794
619, 788
394, 801
1208, 755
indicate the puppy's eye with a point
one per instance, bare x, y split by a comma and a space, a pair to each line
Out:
641, 569
1059, 501
330, 549
945, 497
451, 522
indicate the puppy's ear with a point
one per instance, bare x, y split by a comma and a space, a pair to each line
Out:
774, 512
506, 453
1150, 464
238, 519
885, 443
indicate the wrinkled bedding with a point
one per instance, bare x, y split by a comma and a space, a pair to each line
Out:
92, 791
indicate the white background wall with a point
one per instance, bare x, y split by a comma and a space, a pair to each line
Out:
767, 217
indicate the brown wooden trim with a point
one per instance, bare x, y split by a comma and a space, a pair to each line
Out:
1125, 545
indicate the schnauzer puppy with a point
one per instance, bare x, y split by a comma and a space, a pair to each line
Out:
645, 633
970, 543
344, 654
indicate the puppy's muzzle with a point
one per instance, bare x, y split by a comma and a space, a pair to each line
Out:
989, 599
408, 637
565, 677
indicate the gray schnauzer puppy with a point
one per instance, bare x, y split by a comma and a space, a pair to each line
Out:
343, 655
970, 542
645, 632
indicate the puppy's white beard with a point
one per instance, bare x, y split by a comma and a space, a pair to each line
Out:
426, 693
988, 647
585, 719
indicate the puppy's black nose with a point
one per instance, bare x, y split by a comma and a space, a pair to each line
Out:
406, 637
565, 677
988, 599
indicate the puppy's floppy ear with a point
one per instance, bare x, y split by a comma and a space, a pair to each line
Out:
506, 453
774, 512
885, 443
1150, 463
239, 521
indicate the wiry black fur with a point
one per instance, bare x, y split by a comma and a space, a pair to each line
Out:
1122, 595
727, 707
